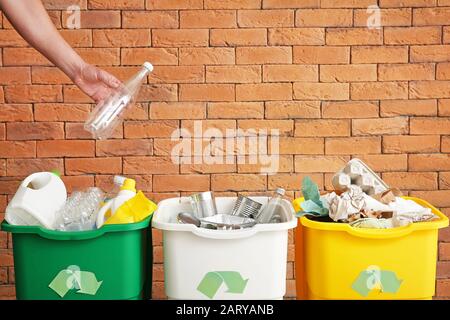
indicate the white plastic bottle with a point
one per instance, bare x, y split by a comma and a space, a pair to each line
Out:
109, 113
276, 210
127, 191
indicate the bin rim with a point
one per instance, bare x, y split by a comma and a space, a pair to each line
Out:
75, 235
442, 222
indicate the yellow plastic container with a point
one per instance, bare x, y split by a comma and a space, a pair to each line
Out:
337, 261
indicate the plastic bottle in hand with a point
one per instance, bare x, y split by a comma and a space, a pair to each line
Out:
276, 210
109, 113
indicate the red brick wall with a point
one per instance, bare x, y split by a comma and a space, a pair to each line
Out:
308, 67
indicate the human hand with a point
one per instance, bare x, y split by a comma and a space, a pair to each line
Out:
95, 82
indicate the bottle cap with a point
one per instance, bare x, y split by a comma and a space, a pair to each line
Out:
148, 66
280, 191
129, 184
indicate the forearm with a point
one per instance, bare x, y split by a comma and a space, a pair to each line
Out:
31, 20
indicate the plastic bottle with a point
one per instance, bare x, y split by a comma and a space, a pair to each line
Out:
109, 113
276, 210
127, 191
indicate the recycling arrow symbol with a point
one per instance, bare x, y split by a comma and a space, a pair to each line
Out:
84, 282
212, 282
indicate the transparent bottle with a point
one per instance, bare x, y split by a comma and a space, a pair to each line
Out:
276, 210
108, 114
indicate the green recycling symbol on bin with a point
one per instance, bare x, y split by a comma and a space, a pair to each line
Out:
212, 282
375, 278
73, 278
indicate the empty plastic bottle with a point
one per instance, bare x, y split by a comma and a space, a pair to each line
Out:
109, 113
276, 210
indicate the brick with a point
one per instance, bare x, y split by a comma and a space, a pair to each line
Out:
77, 182
62, 148
207, 92
236, 110
430, 126
75, 130
352, 145
320, 163
7, 292
430, 53
17, 149
385, 162
296, 36
444, 107
295, 145
264, 92
100, 56
158, 92
150, 19
384, 126
97, 19
158, 56
380, 54
321, 91
349, 109
443, 71
198, 128
15, 75
389, 17
321, 55
25, 167
232, 4
411, 180
73, 95
2, 131
287, 4
393, 108
446, 35
10, 38
48, 75
233, 74
411, 144
165, 147
153, 129
348, 73
238, 37
429, 89
185, 182
177, 110
274, 166
129, 147
34, 130
265, 18
354, 36
16, 112
429, 162
177, 74
416, 71
379, 90
180, 38
207, 56
238, 182
347, 3
322, 128
285, 127
431, 16
444, 251
407, 3
445, 144
77, 38
61, 112
324, 18
293, 181
118, 5
79, 166
413, 35
33, 93
263, 55
208, 19
63, 4
149, 165
173, 4
121, 38
192, 168
6, 258
292, 109
439, 198
443, 269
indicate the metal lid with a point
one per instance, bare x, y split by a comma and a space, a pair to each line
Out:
280, 191
148, 66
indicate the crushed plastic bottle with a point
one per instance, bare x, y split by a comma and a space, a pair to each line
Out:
80, 211
276, 210
108, 114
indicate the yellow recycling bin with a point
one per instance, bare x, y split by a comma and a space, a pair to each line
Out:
337, 261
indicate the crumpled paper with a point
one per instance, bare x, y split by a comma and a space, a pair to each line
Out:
387, 196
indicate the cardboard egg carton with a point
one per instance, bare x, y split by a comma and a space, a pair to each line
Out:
358, 173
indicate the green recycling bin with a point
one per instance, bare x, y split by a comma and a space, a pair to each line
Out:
110, 263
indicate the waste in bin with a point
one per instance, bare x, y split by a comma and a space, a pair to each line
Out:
114, 262
338, 261
201, 263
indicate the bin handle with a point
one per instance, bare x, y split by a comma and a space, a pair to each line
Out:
376, 234
226, 235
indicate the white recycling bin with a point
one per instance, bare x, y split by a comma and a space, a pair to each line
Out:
241, 264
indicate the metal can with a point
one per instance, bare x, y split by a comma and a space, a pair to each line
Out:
203, 204
246, 207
